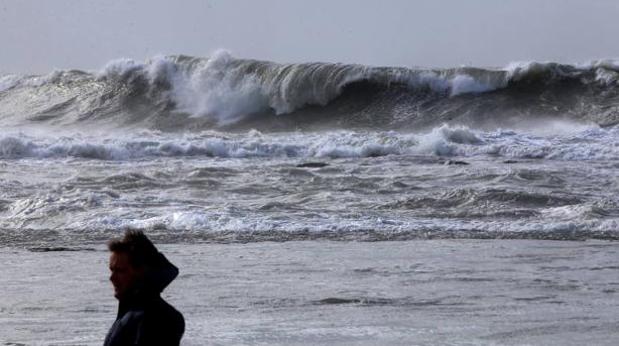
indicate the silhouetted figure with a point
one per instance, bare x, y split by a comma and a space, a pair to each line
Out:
139, 274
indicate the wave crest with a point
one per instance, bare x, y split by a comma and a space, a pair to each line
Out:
182, 92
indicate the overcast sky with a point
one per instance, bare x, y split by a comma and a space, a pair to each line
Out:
38, 36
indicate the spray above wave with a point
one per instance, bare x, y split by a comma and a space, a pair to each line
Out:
181, 93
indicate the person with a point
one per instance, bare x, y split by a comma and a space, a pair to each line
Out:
139, 273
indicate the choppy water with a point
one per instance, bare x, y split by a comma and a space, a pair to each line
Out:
197, 151
240, 150
339, 185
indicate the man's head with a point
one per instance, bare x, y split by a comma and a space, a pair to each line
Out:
130, 259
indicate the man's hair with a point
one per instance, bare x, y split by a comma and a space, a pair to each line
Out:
142, 252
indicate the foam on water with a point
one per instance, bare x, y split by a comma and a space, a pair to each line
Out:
119, 68
560, 224
195, 150
213, 90
561, 141
179, 92
369, 185
465, 84
227, 148
8, 81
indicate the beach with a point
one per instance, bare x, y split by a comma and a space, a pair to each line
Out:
439, 292
316, 203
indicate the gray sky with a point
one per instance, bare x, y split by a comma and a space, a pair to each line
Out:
38, 36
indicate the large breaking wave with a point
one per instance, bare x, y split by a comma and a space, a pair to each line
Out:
172, 93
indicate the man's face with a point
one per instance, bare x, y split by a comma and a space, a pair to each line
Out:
124, 276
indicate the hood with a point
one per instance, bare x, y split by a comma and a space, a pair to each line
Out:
159, 276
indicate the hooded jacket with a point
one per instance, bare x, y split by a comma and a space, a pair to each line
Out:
144, 318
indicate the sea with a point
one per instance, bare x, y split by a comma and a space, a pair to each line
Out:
317, 203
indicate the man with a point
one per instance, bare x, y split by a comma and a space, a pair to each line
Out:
139, 274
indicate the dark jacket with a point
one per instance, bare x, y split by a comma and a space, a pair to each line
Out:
144, 318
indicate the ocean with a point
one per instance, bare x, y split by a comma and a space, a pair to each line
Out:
409, 171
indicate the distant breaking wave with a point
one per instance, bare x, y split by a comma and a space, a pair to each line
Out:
181, 93
442, 141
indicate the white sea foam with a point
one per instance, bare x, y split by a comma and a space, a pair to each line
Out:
226, 90
563, 221
577, 142
429, 79
610, 64
606, 77
519, 70
221, 89
456, 84
350, 144
516, 70
215, 90
465, 84
9, 81
81, 180
447, 141
120, 68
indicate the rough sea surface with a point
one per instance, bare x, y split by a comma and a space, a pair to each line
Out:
234, 152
